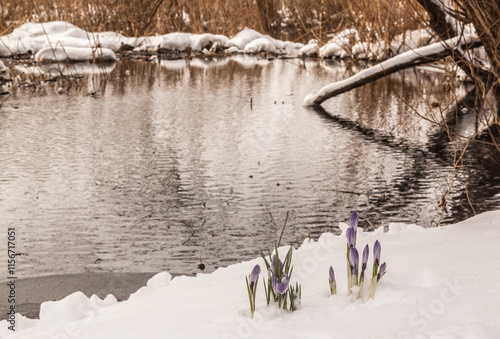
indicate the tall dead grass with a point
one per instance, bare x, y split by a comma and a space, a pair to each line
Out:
302, 19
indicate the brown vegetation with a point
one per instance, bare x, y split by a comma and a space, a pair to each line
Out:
300, 19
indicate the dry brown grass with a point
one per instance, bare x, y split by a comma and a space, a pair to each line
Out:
304, 19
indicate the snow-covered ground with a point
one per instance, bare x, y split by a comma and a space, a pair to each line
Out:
59, 41
441, 283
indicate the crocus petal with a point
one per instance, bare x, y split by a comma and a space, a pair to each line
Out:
353, 257
364, 260
274, 282
351, 236
281, 288
381, 271
331, 274
353, 221
377, 249
285, 279
255, 273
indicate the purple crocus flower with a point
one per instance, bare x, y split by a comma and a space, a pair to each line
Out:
283, 285
381, 271
254, 275
332, 282
354, 271
364, 260
353, 259
353, 221
351, 237
377, 249
274, 282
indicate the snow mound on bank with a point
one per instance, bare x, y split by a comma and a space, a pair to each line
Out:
30, 38
441, 283
33, 37
74, 54
311, 49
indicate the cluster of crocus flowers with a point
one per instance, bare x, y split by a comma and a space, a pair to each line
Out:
278, 288
356, 274
352, 253
252, 280
378, 270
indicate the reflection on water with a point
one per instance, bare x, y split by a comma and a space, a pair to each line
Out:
173, 163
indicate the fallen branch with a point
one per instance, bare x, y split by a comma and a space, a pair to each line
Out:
418, 56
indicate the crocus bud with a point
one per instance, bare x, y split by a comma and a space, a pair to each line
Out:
353, 221
381, 272
351, 236
353, 258
364, 260
332, 282
331, 274
376, 253
254, 275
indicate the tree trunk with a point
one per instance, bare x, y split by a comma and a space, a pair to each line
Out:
485, 16
440, 21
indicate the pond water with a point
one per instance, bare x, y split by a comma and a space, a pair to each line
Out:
168, 164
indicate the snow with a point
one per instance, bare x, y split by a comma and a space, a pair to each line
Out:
411, 40
330, 49
260, 45
176, 41
243, 38
441, 283
403, 58
311, 49
31, 38
36, 36
66, 69
74, 54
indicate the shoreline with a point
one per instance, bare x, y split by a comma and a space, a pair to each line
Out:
32, 292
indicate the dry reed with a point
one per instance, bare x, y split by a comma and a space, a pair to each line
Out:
300, 20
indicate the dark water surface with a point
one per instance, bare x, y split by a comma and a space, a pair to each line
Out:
165, 165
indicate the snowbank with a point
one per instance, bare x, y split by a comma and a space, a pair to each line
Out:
311, 49
441, 283
30, 38
33, 37
75, 54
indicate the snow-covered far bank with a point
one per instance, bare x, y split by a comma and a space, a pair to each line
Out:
64, 41
441, 283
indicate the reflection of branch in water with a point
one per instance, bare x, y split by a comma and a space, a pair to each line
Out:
193, 230
271, 215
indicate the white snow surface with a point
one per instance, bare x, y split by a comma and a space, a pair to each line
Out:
441, 283
74, 54
34, 37
311, 49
